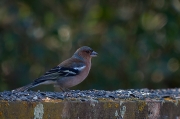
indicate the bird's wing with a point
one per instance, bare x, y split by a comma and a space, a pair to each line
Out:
60, 71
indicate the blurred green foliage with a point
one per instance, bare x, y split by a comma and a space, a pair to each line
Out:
138, 41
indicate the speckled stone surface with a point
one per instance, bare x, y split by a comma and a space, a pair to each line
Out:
91, 104
92, 94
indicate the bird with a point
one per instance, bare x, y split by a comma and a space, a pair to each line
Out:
67, 74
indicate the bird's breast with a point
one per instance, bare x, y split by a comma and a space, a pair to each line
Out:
71, 81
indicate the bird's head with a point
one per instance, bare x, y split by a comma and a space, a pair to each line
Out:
85, 52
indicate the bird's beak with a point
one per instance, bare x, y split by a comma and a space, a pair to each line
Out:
94, 54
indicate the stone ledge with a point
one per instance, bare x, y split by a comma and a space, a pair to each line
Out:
88, 105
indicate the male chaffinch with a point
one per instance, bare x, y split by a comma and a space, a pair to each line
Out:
68, 73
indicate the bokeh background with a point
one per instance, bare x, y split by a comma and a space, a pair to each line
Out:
138, 41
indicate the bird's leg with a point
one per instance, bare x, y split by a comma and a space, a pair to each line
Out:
67, 90
62, 88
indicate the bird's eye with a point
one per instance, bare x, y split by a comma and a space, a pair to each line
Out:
87, 51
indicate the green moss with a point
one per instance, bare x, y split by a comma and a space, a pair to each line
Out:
141, 105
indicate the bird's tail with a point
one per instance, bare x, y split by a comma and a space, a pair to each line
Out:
24, 88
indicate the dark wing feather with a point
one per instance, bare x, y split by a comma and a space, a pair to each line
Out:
68, 72
56, 72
